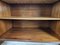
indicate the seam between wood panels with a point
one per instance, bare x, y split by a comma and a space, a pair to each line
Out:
52, 33
55, 2
4, 2
4, 33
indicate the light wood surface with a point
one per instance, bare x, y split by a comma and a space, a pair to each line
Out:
29, 35
29, 18
56, 10
4, 11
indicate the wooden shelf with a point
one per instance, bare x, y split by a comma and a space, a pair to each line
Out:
29, 1
28, 18
27, 34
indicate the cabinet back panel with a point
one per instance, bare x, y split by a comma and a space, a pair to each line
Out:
31, 24
31, 10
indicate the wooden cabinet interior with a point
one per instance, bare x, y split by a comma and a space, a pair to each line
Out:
56, 10
4, 11
31, 10
43, 31
30, 1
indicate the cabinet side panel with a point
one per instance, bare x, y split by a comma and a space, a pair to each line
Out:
56, 28
56, 24
56, 10
4, 12
2, 27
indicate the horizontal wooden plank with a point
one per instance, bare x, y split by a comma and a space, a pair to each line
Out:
30, 1
28, 18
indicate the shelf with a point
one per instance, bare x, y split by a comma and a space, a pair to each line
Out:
28, 18
28, 34
29, 1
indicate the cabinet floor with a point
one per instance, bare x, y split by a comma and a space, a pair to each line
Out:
29, 34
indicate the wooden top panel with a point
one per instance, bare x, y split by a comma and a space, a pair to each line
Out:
30, 1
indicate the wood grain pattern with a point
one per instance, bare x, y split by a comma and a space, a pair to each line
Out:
56, 13
31, 10
56, 10
56, 28
30, 1
31, 24
29, 34
5, 26
4, 12
26, 24
2, 27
